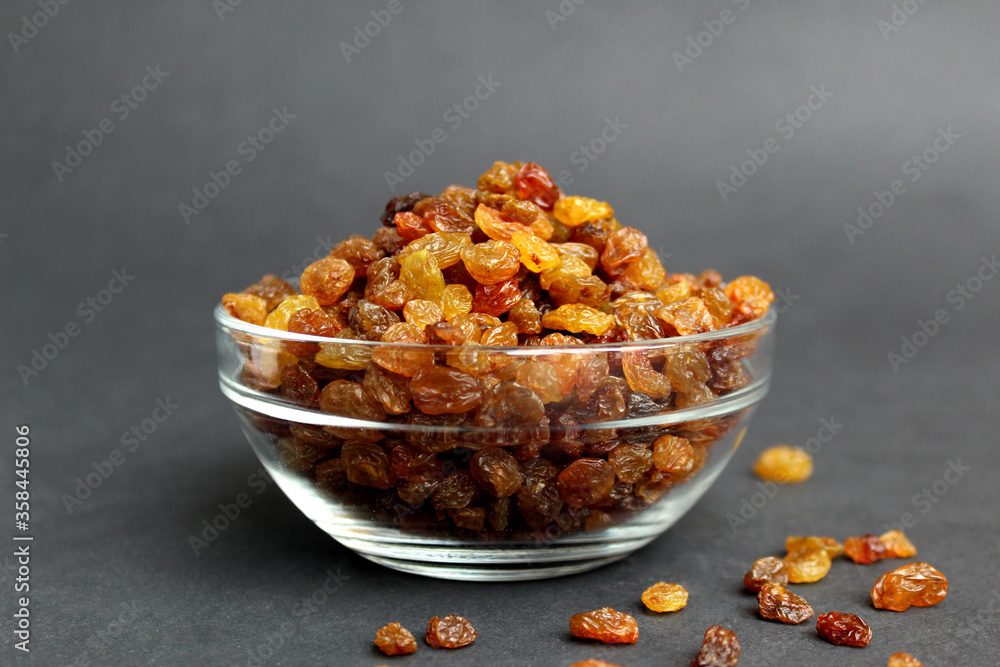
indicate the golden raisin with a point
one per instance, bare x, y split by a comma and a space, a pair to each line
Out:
806, 567
917, 584
491, 262
537, 255
900, 659
420, 272
278, 319
575, 211
394, 639
327, 280
577, 318
865, 549
784, 464
246, 307
897, 545
664, 597
832, 547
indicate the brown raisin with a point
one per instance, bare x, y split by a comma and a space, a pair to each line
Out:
624, 246
843, 629
491, 262
664, 597
865, 549
496, 471
442, 215
496, 299
367, 464
534, 184
272, 289
630, 462
400, 203
310, 323
351, 400
719, 648
450, 632
247, 307
674, 456
769, 570
585, 482
917, 584
777, 603
442, 390
394, 639
606, 625
327, 280
299, 386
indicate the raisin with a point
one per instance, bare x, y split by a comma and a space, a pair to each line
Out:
491, 262
450, 632
417, 490
897, 545
719, 306
494, 225
445, 246
534, 184
525, 316
751, 296
575, 211
421, 313
806, 567
357, 251
769, 570
569, 267
646, 273
406, 358
499, 178
642, 377
400, 203
843, 629
411, 226
384, 287
594, 233
420, 272
389, 240
327, 280
299, 386
674, 456
389, 389
538, 500
719, 648
278, 318
371, 319
344, 356
638, 321
496, 299
496, 471
247, 307
310, 323
578, 318
832, 547
330, 475
541, 378
865, 549
784, 464
314, 436
664, 597
272, 289
593, 663
456, 300
441, 390
688, 369
687, 317
455, 492
394, 639
605, 625
442, 215
536, 255
585, 482
351, 400
298, 456
917, 584
367, 464
630, 462
777, 603
900, 659
624, 246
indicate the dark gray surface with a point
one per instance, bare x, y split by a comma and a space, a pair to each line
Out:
116, 581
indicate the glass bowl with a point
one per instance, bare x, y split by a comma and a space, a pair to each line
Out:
494, 463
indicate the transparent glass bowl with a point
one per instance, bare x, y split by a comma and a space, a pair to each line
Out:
601, 468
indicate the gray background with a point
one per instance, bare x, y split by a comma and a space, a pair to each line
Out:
116, 581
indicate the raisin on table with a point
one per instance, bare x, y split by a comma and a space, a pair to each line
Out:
769, 570
806, 567
664, 597
917, 584
900, 659
865, 549
719, 648
606, 625
843, 629
450, 631
394, 639
777, 603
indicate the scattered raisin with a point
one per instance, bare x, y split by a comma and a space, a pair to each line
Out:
450, 632
784, 465
769, 570
605, 625
394, 639
720, 648
843, 629
832, 547
664, 597
917, 584
900, 659
897, 545
806, 567
865, 549
777, 603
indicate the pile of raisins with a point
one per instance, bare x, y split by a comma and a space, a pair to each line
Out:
449, 280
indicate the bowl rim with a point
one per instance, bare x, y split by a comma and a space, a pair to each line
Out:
761, 326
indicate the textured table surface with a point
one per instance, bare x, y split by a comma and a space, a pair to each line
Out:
113, 576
